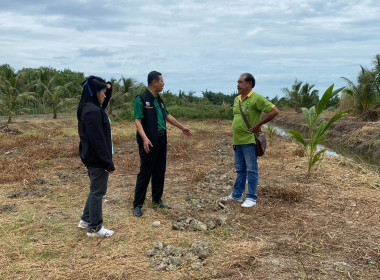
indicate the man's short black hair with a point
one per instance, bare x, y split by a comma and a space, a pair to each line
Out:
153, 76
249, 78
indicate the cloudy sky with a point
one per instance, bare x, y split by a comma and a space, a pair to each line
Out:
196, 45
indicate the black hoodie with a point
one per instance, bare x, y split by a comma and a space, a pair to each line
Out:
95, 147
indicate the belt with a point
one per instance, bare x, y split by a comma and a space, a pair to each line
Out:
161, 132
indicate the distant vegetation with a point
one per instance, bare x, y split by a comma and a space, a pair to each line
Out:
46, 90
364, 97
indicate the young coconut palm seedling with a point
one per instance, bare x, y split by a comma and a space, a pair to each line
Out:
271, 132
317, 127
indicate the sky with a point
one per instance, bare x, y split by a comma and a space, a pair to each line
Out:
196, 45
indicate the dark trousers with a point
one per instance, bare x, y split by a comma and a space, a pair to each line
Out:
92, 212
152, 165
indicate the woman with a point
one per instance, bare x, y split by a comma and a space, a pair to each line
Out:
95, 150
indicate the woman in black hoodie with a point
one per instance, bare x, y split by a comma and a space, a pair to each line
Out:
95, 150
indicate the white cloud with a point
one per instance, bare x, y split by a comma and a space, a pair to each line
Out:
197, 45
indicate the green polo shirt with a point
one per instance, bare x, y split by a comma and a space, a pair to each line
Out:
253, 105
138, 108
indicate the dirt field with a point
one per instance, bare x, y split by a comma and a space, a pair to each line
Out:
322, 227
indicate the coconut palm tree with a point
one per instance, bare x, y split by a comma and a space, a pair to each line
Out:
52, 95
365, 92
292, 95
301, 95
376, 70
309, 97
14, 90
118, 96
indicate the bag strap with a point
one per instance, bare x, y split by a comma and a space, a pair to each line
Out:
246, 121
244, 117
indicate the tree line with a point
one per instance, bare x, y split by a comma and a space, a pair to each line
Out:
361, 98
46, 90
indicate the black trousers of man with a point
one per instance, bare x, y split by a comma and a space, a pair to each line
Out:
152, 165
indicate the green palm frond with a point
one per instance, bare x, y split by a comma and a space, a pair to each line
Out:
317, 126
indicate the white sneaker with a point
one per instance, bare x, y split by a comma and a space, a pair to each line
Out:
103, 232
83, 224
249, 203
230, 198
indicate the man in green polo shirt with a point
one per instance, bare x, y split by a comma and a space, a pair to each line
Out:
150, 120
245, 158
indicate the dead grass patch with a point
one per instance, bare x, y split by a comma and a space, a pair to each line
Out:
51, 151
179, 149
15, 169
197, 173
6, 208
319, 227
12, 142
289, 195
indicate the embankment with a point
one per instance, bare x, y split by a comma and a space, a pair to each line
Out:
359, 137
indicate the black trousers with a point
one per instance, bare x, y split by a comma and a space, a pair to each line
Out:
92, 212
152, 165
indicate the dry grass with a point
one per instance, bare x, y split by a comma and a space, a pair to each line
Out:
321, 227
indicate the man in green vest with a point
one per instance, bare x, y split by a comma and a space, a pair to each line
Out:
245, 158
150, 120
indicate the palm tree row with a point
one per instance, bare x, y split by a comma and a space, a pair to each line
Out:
46, 90
52, 91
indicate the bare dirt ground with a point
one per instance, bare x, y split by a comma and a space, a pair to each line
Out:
322, 227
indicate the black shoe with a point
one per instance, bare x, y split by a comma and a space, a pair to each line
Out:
161, 204
137, 211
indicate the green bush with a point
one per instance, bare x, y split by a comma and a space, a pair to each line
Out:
125, 114
188, 111
200, 111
